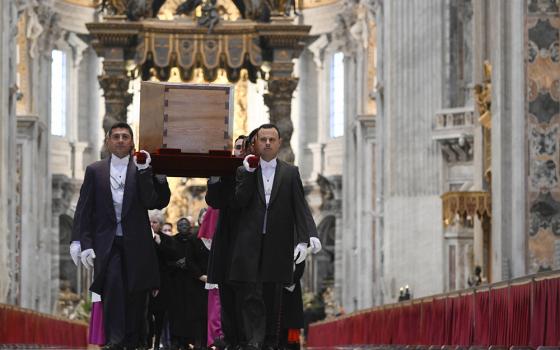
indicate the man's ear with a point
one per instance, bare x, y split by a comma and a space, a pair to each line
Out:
280, 141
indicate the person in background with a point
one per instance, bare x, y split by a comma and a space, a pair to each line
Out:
167, 229
159, 303
220, 195
196, 266
205, 234
175, 252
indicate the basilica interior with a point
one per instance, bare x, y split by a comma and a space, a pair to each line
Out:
426, 132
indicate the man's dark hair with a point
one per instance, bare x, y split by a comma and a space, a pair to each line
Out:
269, 126
167, 223
121, 125
249, 139
185, 219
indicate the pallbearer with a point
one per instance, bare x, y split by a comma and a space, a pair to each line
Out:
116, 238
270, 195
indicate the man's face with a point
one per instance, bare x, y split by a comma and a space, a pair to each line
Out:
120, 142
183, 226
166, 229
238, 150
267, 143
154, 222
250, 147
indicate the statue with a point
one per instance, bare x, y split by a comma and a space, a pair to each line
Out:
210, 16
187, 7
134, 10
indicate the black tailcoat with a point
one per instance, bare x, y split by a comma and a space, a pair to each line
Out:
268, 257
220, 196
98, 223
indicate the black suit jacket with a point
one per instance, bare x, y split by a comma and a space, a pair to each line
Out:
268, 257
221, 195
97, 223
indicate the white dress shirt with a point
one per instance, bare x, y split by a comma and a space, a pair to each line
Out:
267, 170
118, 179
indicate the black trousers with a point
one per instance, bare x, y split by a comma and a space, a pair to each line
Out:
156, 317
231, 314
260, 310
124, 312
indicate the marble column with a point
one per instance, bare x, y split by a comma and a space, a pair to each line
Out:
283, 41
281, 85
9, 291
115, 84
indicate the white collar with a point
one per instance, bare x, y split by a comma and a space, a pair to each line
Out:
266, 165
116, 161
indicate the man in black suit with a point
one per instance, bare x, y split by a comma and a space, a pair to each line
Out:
220, 195
115, 236
270, 194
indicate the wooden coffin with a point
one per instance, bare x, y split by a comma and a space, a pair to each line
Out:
188, 128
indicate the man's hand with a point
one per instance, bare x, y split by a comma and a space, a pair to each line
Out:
88, 256
75, 250
300, 252
251, 162
142, 160
203, 278
157, 238
315, 245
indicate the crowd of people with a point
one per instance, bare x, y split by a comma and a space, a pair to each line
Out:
230, 282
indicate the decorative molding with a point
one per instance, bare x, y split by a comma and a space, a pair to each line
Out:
351, 30
464, 204
317, 48
78, 47
454, 131
367, 124
309, 4
84, 3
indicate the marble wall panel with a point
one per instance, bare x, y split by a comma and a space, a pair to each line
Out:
542, 28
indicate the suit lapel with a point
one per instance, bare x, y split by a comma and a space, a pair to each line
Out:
278, 174
129, 187
260, 185
105, 184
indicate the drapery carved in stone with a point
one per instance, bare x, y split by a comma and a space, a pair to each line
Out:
231, 52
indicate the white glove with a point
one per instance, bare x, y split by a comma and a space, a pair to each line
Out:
246, 164
75, 250
88, 256
145, 165
315, 244
300, 252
